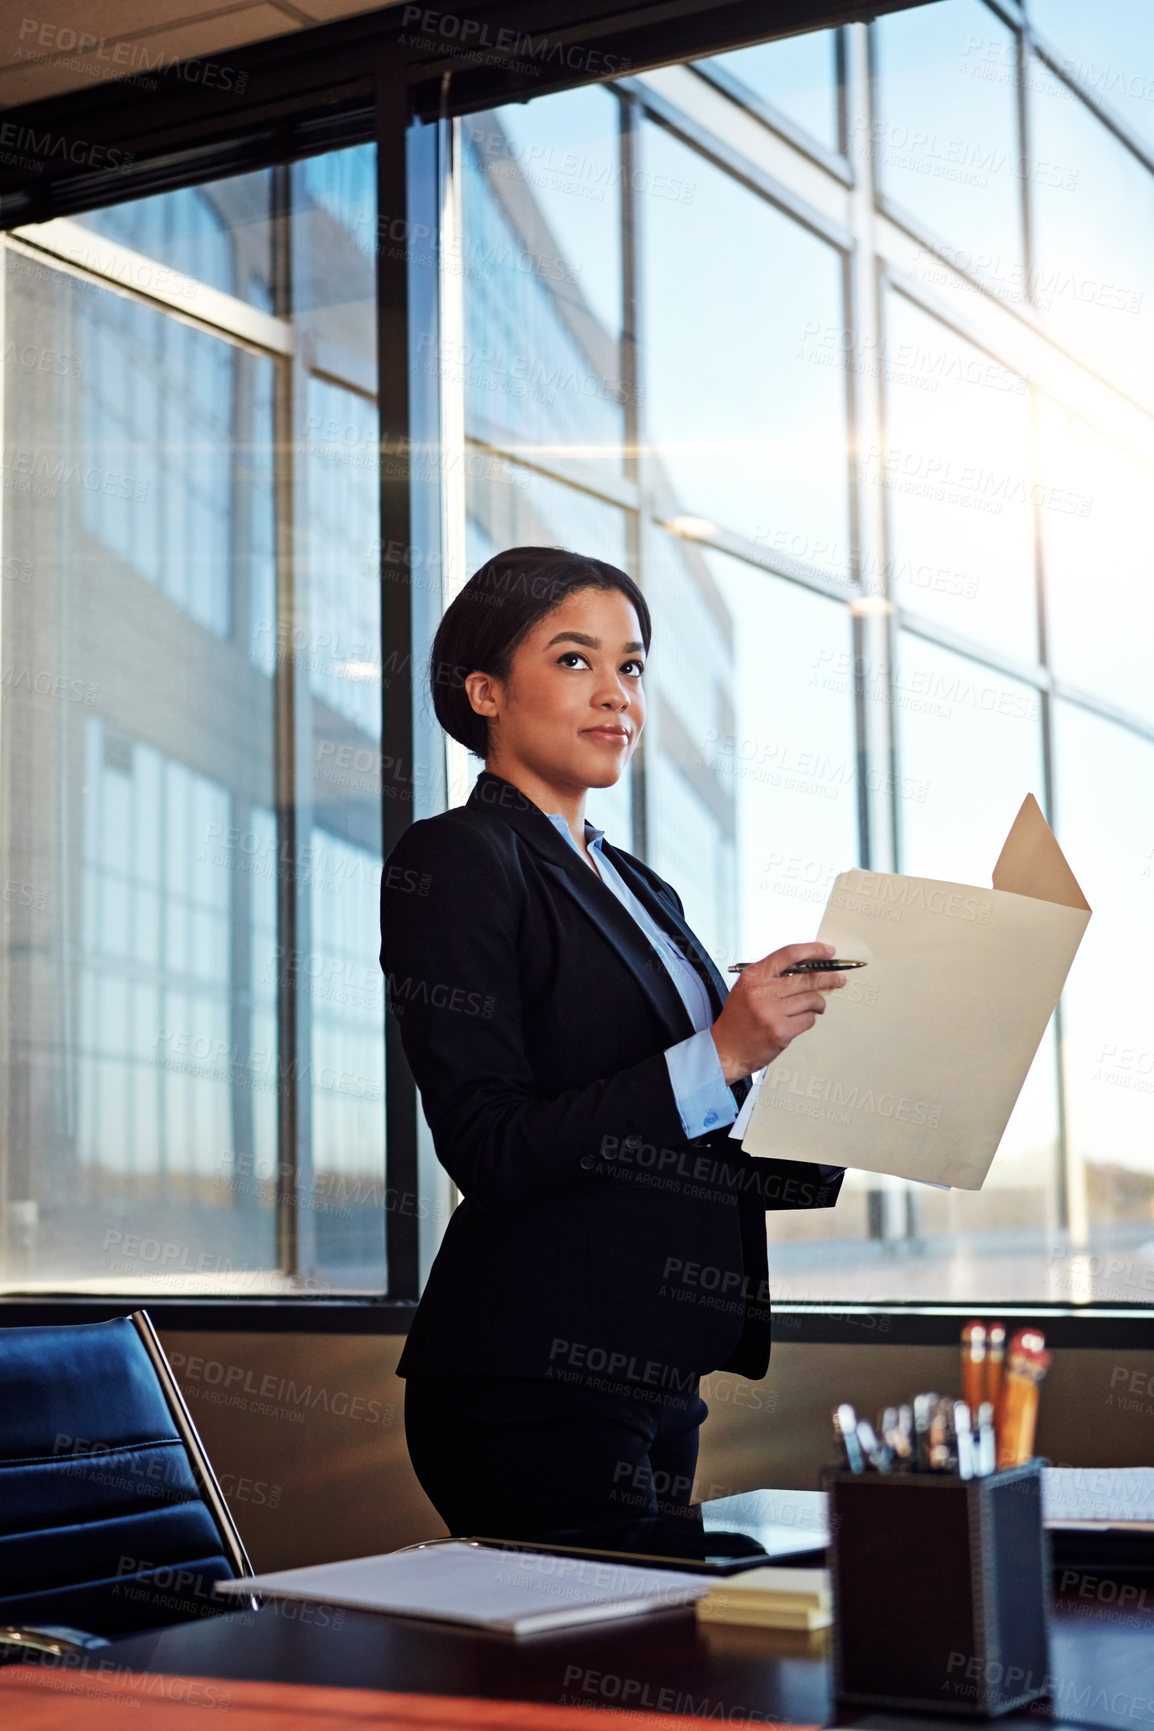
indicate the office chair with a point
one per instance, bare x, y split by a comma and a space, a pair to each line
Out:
111, 1518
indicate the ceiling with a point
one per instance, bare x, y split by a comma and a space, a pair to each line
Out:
74, 44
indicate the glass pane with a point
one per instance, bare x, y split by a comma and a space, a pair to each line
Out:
157, 412
334, 240
139, 1125
1094, 234
745, 415
1105, 823
958, 482
970, 748
797, 76
338, 462
752, 758
219, 234
541, 362
1109, 48
346, 990
343, 528
147, 647
511, 506
945, 141
752, 772
556, 163
969, 751
1099, 599
968, 757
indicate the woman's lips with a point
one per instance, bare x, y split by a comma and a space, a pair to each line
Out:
614, 736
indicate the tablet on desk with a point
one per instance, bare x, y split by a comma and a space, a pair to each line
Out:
721, 1537
712, 1562
788, 1525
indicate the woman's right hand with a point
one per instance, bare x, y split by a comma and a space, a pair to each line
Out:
765, 1011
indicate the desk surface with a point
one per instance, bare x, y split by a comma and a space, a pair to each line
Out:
1102, 1661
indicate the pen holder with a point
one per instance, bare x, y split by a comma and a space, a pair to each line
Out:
941, 1589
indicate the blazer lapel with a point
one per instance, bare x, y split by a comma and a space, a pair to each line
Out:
494, 793
664, 910
560, 860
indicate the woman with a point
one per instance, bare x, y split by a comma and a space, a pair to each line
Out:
579, 1063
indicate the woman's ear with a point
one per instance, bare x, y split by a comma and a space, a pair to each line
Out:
484, 693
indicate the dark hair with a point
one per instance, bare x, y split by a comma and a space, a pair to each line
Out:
497, 608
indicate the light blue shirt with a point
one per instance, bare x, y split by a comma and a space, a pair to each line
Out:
703, 1096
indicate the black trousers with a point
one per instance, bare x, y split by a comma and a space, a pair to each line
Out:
520, 1458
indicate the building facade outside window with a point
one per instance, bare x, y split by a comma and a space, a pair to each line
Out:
193, 1012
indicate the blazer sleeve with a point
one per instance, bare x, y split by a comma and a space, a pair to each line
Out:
449, 924
788, 1184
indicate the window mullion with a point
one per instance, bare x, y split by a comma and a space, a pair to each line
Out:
295, 1219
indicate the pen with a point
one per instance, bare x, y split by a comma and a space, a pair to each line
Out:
903, 1435
986, 1458
964, 1433
832, 967
845, 1428
879, 1454
923, 1409
943, 1452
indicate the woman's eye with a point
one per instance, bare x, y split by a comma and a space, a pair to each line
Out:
569, 655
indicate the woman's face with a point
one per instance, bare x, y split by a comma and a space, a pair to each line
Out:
572, 708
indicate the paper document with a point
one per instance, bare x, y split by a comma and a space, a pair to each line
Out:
915, 1066
1071, 1497
1111, 1498
514, 1592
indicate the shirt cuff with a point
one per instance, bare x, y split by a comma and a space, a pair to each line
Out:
704, 1098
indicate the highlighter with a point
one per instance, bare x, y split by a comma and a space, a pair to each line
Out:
995, 1356
973, 1365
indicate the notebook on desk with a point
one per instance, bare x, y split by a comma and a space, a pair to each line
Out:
512, 1592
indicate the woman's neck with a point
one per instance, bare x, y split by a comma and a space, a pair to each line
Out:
569, 802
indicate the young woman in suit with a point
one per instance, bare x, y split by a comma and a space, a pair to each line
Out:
579, 1062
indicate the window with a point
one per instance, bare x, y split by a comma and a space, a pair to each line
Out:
891, 575
944, 144
954, 471
1093, 201
746, 415
796, 78
1108, 50
1108, 1049
194, 1014
848, 359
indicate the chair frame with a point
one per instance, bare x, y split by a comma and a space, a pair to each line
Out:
201, 1465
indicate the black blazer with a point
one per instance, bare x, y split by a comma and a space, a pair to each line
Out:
593, 1240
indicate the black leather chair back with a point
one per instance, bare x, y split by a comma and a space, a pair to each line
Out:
111, 1519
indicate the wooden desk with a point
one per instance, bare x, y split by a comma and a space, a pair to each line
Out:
1102, 1660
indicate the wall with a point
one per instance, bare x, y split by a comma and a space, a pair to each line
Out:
306, 1432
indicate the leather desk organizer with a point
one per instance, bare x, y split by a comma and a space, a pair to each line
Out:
941, 1589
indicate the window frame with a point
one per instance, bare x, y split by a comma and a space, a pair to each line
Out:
307, 93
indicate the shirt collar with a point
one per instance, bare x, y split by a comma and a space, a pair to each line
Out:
592, 833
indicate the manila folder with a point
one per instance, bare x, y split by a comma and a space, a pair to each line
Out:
915, 1066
